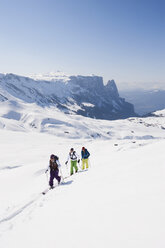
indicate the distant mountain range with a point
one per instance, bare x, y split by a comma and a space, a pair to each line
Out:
82, 95
145, 101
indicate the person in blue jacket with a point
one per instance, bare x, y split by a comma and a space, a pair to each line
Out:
84, 157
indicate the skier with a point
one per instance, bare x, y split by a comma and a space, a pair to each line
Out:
54, 164
74, 158
84, 157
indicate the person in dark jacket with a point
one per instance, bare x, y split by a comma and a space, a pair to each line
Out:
84, 157
54, 165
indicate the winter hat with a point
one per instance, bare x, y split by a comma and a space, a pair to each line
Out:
52, 156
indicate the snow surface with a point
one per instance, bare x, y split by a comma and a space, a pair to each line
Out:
51, 76
119, 202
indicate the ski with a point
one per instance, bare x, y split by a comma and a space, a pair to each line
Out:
46, 190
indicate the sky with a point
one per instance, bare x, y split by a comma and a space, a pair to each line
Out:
122, 40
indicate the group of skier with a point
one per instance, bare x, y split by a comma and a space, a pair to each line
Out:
54, 164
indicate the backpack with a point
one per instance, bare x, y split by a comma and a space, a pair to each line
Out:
53, 165
73, 155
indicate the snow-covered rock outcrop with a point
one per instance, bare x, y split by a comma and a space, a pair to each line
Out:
83, 95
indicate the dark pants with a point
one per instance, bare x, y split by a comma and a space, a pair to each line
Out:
54, 174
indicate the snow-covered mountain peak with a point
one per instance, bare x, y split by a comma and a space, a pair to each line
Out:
52, 76
86, 84
69, 94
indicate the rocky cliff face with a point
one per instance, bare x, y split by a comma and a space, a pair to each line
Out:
98, 100
84, 95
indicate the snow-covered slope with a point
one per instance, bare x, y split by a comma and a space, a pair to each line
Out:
83, 95
118, 202
29, 117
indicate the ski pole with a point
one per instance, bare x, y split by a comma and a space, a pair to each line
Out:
67, 168
61, 174
47, 176
89, 163
80, 165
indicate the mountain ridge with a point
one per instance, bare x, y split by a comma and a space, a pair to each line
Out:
83, 95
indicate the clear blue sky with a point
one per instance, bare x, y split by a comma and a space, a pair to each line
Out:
119, 39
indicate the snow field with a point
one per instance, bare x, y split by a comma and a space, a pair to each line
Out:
119, 202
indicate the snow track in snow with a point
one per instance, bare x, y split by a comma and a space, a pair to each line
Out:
19, 210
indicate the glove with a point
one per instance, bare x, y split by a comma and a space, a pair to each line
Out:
78, 160
46, 171
66, 162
